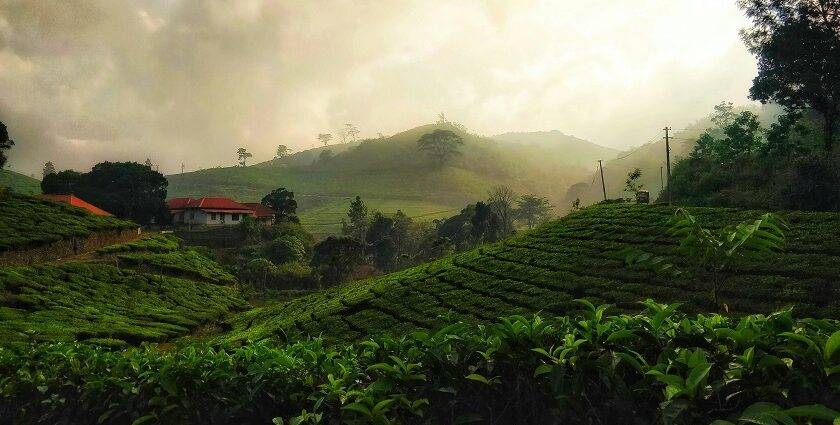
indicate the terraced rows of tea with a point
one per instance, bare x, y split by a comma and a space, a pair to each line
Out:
546, 269
146, 290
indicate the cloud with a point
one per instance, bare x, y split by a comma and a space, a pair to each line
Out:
89, 80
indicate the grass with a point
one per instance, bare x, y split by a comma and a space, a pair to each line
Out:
26, 222
19, 182
325, 220
546, 269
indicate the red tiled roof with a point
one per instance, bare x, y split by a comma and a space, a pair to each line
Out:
260, 210
76, 202
205, 203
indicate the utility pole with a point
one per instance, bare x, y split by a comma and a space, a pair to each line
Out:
182, 168
661, 180
668, 160
603, 186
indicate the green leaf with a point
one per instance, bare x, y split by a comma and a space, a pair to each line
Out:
832, 345
382, 405
543, 369
624, 333
478, 378
698, 373
168, 384
813, 411
143, 419
358, 408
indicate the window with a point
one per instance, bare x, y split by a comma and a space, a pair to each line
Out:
213, 216
234, 217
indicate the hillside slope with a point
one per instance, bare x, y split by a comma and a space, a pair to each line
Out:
545, 269
392, 169
566, 150
19, 183
27, 222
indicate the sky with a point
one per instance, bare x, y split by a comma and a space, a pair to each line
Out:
189, 82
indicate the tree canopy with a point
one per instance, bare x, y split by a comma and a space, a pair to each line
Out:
441, 146
125, 189
797, 43
5, 144
283, 203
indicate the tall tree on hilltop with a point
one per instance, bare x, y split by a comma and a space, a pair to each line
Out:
325, 138
532, 209
148, 163
49, 168
349, 132
282, 151
283, 203
441, 146
357, 227
797, 43
243, 155
5, 144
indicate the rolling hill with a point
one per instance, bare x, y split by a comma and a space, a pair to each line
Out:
390, 172
546, 269
19, 183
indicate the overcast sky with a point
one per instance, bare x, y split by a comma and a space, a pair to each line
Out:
191, 81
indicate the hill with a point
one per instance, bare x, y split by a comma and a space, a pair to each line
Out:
27, 222
147, 290
566, 150
19, 183
391, 172
546, 269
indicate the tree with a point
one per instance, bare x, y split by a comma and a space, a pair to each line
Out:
357, 227
49, 168
243, 155
125, 189
148, 163
797, 43
349, 132
441, 146
282, 151
283, 203
441, 118
532, 209
632, 183
286, 248
724, 114
249, 229
501, 199
744, 135
60, 183
325, 138
712, 252
336, 257
5, 144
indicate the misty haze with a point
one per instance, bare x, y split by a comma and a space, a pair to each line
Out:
417, 212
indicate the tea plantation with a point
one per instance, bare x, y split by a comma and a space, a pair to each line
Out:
26, 221
166, 291
546, 269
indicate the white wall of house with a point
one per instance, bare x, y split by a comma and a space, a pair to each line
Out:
195, 216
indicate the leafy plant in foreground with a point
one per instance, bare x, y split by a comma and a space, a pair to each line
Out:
713, 252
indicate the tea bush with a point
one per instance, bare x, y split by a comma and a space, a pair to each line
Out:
578, 256
660, 366
26, 222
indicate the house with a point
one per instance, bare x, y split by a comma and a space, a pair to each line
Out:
76, 202
210, 211
262, 213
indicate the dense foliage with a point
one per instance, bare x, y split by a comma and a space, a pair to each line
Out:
574, 257
5, 144
125, 189
183, 263
100, 302
657, 367
27, 222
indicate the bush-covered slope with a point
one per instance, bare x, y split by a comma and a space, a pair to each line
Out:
27, 222
164, 292
19, 182
544, 270
657, 367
